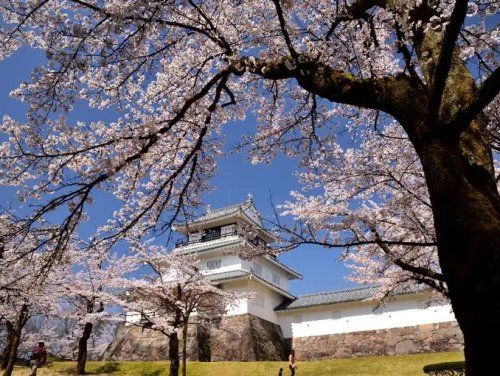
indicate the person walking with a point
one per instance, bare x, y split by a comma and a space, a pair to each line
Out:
38, 358
292, 362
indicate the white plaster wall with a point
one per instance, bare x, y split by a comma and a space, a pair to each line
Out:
267, 271
195, 236
229, 229
241, 305
202, 246
132, 318
228, 263
269, 298
359, 316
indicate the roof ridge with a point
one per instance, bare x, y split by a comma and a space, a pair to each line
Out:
340, 290
227, 207
240, 205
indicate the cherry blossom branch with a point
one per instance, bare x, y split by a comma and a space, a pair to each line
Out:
181, 25
384, 245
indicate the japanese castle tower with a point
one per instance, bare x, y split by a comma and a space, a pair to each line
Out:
333, 324
218, 237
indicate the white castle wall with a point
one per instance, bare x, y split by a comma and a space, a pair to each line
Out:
263, 303
268, 270
240, 307
403, 311
227, 263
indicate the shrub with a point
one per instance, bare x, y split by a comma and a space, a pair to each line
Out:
446, 369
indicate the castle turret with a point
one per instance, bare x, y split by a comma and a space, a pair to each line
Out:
219, 238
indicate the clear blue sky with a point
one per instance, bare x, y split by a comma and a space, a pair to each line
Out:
237, 177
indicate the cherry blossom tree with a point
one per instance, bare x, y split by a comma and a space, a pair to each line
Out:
369, 193
22, 289
38, 291
27, 298
170, 295
83, 298
176, 71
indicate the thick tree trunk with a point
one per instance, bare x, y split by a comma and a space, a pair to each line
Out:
184, 347
20, 323
8, 344
173, 354
466, 206
82, 348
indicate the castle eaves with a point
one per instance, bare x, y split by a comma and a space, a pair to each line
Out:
244, 274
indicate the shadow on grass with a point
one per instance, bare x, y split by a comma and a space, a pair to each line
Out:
114, 367
110, 367
151, 373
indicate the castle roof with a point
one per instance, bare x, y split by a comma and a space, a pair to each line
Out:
354, 294
247, 207
228, 243
234, 275
243, 211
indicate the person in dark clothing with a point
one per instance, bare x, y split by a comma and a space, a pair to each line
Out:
291, 362
38, 358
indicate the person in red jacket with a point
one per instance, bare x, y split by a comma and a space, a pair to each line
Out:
38, 358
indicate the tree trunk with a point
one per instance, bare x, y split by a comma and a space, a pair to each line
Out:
21, 321
82, 348
8, 344
466, 208
184, 346
173, 354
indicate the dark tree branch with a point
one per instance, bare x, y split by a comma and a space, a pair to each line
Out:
487, 92
222, 43
393, 94
440, 74
284, 31
407, 55
404, 265
354, 11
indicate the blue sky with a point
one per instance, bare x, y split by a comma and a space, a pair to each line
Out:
236, 179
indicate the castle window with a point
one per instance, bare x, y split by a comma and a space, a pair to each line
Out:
213, 264
336, 315
297, 319
276, 279
259, 301
421, 304
211, 234
257, 269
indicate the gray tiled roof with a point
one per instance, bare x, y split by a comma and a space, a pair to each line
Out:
233, 274
202, 247
338, 296
228, 210
237, 274
274, 260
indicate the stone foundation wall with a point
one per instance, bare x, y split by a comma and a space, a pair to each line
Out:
247, 338
239, 338
135, 343
408, 340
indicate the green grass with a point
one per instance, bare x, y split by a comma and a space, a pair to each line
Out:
400, 365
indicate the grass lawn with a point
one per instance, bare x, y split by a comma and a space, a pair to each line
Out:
400, 365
